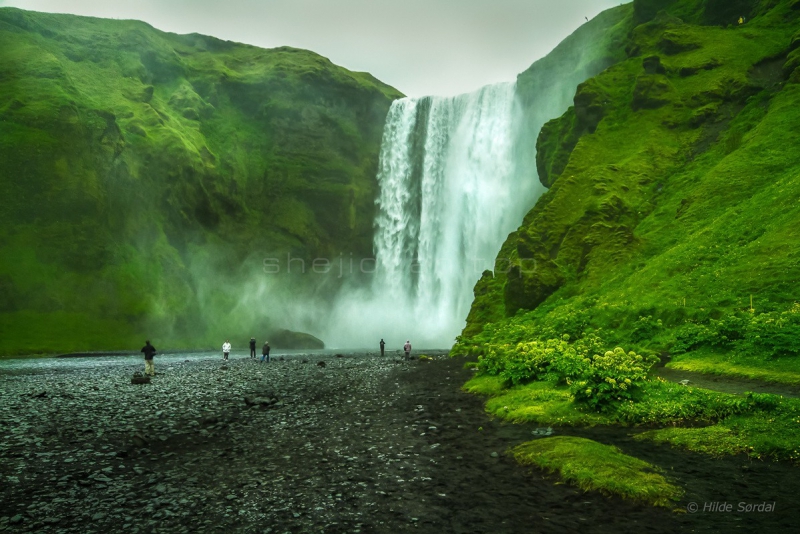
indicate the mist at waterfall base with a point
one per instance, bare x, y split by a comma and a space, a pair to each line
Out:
452, 187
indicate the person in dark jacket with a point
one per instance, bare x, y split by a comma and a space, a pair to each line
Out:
383, 344
252, 347
149, 351
265, 352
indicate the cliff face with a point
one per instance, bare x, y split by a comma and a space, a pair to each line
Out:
672, 181
143, 173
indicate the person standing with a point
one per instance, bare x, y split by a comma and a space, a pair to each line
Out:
252, 347
265, 352
407, 349
383, 344
226, 349
149, 351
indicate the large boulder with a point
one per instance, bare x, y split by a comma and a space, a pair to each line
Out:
287, 339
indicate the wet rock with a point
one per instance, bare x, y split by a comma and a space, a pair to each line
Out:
140, 380
260, 401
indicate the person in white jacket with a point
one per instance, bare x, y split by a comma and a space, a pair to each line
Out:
226, 349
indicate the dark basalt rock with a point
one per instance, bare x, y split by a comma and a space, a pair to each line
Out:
138, 378
652, 65
287, 339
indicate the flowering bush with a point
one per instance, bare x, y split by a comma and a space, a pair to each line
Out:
555, 360
611, 377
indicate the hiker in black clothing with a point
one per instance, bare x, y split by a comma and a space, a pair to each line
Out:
149, 350
265, 351
252, 347
383, 344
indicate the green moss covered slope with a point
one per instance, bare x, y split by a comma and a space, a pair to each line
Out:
673, 196
144, 173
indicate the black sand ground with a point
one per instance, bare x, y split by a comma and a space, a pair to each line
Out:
363, 444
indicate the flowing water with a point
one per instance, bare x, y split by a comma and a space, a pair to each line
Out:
451, 191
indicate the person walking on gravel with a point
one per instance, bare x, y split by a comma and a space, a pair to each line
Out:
252, 347
265, 352
407, 349
383, 344
149, 351
226, 349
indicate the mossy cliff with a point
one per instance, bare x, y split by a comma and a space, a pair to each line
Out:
143, 173
673, 185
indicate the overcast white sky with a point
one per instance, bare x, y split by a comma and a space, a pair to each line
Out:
421, 47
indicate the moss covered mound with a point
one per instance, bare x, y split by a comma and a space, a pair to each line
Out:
143, 173
593, 466
672, 191
287, 339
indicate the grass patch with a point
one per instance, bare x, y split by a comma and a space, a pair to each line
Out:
784, 371
594, 466
658, 402
715, 440
543, 403
772, 434
485, 385
662, 402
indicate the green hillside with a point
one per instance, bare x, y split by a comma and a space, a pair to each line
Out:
144, 174
673, 199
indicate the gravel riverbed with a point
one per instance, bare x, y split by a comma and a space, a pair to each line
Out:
310, 443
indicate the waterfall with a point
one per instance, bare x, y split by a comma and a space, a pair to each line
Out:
450, 193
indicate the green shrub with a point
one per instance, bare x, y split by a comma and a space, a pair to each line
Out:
773, 334
691, 336
645, 328
662, 402
555, 359
612, 377
769, 335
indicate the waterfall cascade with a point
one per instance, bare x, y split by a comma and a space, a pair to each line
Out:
450, 193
